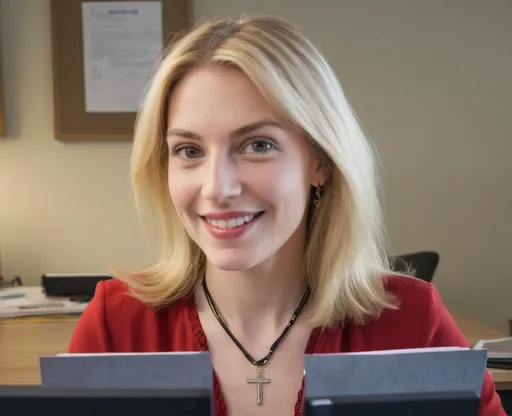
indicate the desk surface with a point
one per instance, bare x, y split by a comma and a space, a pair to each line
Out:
474, 331
22, 343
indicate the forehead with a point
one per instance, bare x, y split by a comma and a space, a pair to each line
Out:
217, 97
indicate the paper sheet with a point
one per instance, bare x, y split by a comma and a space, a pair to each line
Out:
25, 301
122, 42
499, 348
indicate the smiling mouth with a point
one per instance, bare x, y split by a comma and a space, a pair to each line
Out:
232, 222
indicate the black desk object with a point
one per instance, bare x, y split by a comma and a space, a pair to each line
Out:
39, 400
424, 404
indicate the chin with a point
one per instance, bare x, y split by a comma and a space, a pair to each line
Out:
232, 260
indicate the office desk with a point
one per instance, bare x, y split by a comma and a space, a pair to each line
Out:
474, 331
22, 343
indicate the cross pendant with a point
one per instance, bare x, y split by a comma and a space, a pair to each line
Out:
259, 381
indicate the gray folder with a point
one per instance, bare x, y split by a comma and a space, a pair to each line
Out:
398, 372
174, 370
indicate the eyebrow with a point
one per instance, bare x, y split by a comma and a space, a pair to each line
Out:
236, 133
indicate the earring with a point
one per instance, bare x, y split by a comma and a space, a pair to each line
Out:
318, 196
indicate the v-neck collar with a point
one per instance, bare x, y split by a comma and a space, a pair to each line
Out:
316, 345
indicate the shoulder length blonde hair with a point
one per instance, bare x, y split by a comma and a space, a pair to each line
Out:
345, 260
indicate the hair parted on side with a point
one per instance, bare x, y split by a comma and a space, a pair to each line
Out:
345, 259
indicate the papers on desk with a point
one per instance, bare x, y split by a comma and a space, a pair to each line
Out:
496, 348
499, 352
25, 301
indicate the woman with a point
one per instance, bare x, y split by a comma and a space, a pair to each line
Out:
254, 169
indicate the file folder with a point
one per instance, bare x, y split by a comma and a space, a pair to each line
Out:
172, 370
398, 382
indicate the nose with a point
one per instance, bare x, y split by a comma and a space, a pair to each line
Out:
221, 181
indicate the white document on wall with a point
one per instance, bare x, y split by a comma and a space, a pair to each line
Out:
122, 41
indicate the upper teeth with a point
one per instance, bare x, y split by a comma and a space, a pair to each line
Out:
231, 223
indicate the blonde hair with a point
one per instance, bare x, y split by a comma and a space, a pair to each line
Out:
345, 260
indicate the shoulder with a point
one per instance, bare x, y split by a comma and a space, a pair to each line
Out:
115, 297
420, 320
405, 287
421, 300
115, 321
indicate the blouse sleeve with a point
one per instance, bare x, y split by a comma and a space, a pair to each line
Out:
91, 333
440, 329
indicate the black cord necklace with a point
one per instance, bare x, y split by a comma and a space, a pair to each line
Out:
259, 380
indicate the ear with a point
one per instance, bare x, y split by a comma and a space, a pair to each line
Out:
321, 175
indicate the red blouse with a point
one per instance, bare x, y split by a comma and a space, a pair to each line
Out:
116, 322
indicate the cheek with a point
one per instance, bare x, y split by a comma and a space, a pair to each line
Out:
284, 186
180, 191
293, 194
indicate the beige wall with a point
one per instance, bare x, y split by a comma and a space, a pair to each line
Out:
431, 81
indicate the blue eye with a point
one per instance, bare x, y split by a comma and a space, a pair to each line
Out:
259, 146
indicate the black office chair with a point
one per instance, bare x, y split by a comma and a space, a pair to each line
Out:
421, 264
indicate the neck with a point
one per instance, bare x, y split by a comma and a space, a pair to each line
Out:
261, 299
252, 298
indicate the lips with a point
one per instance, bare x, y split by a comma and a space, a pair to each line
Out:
232, 225
232, 222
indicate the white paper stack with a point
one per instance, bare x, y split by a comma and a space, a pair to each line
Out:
25, 301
